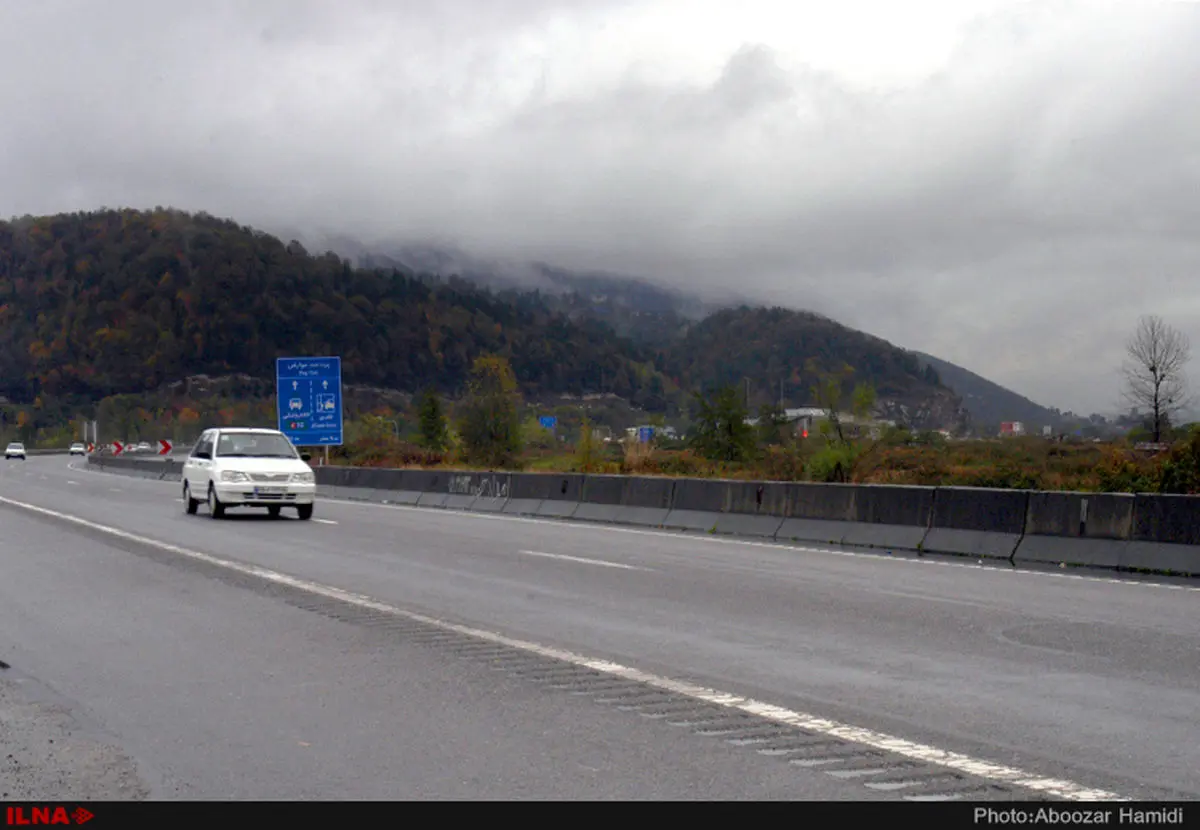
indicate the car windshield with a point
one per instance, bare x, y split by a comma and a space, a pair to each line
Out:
254, 445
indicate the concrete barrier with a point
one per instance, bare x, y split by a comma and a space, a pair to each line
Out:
728, 508
977, 522
1165, 535
627, 500
549, 495
1082, 529
646, 501
1110, 531
562, 500
817, 513
161, 469
601, 498
697, 504
890, 517
487, 492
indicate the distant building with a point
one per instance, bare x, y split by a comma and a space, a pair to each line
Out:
1012, 428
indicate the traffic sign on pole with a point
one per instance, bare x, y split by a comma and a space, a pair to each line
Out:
118, 447
166, 446
308, 395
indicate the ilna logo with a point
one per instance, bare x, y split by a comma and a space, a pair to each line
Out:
18, 816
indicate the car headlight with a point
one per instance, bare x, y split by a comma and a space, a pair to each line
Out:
307, 478
233, 475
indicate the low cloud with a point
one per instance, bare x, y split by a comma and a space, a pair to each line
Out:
1007, 187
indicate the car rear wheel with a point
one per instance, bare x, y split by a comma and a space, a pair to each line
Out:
190, 504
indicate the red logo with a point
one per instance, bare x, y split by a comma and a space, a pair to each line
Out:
19, 816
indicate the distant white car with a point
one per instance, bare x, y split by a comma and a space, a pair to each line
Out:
246, 467
14, 450
78, 449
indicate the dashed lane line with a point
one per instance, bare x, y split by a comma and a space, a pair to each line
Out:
604, 563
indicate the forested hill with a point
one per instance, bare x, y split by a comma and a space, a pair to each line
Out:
94, 304
769, 351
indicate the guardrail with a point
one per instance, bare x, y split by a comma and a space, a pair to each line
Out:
1114, 531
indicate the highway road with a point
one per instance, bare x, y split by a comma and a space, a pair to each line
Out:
392, 652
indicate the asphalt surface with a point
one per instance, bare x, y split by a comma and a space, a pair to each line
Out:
215, 690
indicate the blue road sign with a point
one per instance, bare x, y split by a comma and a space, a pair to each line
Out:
645, 434
548, 421
308, 395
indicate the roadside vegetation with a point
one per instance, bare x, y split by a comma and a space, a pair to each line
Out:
492, 427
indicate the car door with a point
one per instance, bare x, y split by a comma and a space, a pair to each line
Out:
197, 467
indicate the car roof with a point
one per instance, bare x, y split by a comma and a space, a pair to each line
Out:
259, 430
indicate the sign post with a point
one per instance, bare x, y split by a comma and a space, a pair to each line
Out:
308, 396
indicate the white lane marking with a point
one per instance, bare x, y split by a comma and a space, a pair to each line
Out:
601, 562
999, 773
905, 558
325, 521
76, 483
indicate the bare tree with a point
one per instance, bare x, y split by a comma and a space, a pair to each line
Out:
1154, 379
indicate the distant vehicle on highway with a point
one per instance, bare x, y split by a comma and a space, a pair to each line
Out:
78, 449
247, 467
14, 450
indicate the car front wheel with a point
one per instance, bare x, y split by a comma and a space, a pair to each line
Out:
215, 509
305, 511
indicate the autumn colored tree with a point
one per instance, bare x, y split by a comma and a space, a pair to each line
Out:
109, 302
489, 421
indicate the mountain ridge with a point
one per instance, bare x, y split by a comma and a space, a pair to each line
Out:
113, 301
655, 314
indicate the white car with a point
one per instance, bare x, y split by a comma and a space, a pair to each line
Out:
78, 449
14, 450
247, 467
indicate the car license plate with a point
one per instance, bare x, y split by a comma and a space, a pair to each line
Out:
267, 491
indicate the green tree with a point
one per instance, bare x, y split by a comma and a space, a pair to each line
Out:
721, 432
772, 424
836, 461
587, 454
432, 418
490, 423
829, 394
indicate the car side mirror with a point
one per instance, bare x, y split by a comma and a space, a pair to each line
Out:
305, 456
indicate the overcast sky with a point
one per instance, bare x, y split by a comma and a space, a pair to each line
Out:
1007, 186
